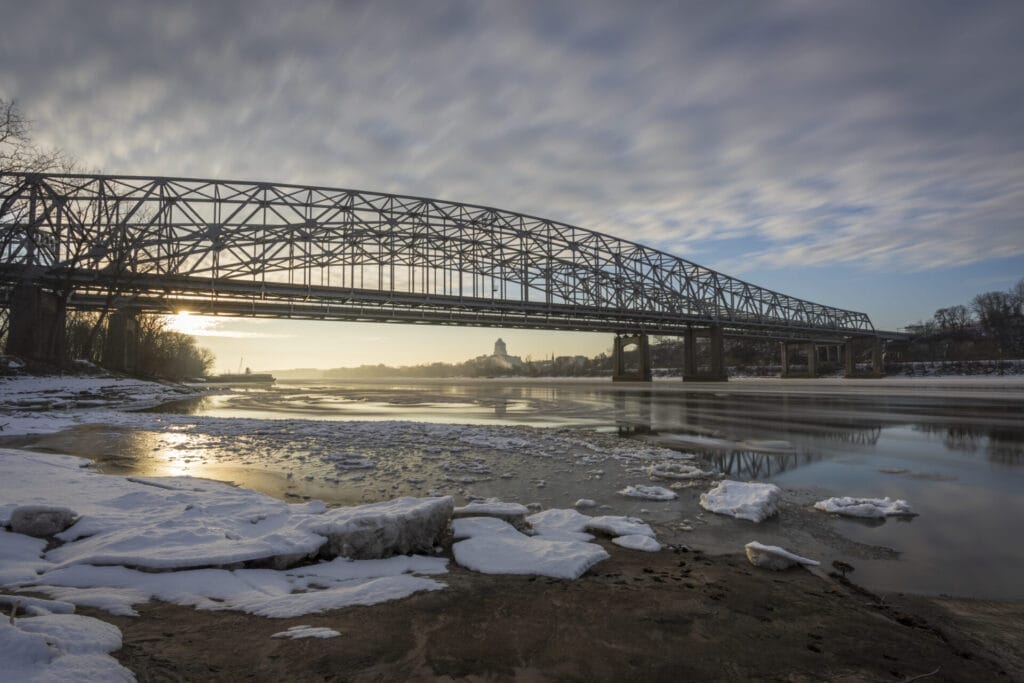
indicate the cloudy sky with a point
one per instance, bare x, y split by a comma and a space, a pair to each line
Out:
867, 155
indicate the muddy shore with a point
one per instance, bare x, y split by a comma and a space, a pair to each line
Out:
675, 615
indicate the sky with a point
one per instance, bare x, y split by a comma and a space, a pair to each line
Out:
866, 155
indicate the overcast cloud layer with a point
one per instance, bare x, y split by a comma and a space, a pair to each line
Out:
889, 135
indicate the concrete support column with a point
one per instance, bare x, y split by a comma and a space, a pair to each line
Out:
874, 346
715, 370
121, 348
37, 320
811, 369
621, 372
877, 369
689, 354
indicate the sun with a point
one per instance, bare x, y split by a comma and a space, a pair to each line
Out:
186, 323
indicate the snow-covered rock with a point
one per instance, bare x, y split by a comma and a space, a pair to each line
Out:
41, 521
773, 557
394, 527
648, 492
872, 508
743, 500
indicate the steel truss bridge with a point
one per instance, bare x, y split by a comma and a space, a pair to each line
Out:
273, 250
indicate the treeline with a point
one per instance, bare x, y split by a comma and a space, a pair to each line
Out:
991, 327
161, 352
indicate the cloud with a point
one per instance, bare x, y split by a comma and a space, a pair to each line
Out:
887, 136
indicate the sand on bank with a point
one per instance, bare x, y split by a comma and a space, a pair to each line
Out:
674, 615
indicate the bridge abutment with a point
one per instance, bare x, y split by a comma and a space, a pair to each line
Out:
622, 369
37, 318
121, 347
714, 369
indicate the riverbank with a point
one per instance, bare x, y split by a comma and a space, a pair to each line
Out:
668, 616
665, 615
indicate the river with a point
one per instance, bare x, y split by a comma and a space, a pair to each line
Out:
952, 448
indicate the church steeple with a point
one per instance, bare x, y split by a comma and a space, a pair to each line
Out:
499, 348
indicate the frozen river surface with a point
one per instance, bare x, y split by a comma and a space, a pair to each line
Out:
954, 449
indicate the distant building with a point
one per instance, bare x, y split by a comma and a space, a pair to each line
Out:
499, 348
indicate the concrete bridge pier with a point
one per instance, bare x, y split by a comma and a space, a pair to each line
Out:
856, 346
812, 359
712, 371
622, 369
121, 347
37, 318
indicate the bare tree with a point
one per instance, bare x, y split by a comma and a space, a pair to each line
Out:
17, 152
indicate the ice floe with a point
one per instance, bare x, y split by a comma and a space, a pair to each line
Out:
773, 557
872, 508
648, 492
743, 500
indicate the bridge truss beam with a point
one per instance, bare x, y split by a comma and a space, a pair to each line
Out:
263, 249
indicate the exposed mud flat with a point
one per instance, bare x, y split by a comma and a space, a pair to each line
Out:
674, 615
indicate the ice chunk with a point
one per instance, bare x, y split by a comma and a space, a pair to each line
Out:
773, 557
675, 470
34, 606
874, 508
469, 527
521, 554
562, 525
367, 592
304, 631
585, 503
41, 521
638, 542
395, 527
60, 647
648, 492
513, 513
74, 633
743, 500
20, 557
619, 526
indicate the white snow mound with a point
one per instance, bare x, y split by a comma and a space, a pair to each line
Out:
743, 500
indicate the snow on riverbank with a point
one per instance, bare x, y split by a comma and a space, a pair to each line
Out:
40, 404
213, 546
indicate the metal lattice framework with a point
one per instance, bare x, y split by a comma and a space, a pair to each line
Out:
267, 249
